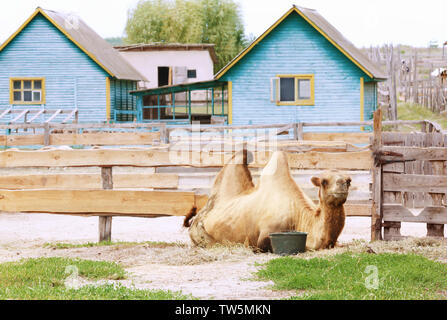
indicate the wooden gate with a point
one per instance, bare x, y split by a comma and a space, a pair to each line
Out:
409, 181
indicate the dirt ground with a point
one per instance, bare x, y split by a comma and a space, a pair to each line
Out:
217, 273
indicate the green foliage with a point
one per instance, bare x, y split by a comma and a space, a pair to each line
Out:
409, 111
44, 279
115, 41
189, 21
343, 277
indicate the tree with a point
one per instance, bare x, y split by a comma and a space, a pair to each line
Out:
189, 21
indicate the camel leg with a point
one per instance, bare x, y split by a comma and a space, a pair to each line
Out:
264, 244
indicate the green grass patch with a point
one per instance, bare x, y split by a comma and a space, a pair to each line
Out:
45, 279
345, 277
410, 111
63, 245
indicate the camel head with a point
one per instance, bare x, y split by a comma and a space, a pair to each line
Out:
334, 187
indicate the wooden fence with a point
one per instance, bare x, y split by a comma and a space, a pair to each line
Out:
160, 179
410, 78
166, 179
409, 181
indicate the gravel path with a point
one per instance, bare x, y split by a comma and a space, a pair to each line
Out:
221, 273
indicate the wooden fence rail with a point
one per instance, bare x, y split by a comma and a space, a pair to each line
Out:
124, 134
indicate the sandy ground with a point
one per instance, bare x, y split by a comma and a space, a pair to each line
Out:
218, 273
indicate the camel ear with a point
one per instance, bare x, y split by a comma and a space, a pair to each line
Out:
316, 181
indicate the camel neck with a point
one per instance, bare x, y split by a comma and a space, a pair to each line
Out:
327, 210
333, 217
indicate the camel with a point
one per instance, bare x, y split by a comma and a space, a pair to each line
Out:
240, 212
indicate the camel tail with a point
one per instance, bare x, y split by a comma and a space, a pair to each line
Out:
189, 216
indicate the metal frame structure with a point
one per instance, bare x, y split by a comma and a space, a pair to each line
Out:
172, 90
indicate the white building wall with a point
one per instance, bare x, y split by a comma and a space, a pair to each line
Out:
147, 63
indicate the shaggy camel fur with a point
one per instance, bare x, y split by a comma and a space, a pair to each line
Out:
239, 212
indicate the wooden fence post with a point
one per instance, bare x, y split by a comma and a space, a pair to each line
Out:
376, 211
164, 134
439, 168
46, 134
298, 131
105, 223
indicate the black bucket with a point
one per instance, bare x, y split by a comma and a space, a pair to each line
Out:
288, 243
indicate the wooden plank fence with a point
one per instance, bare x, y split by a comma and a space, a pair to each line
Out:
169, 179
410, 183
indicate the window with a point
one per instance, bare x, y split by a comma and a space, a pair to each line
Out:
192, 74
27, 91
296, 90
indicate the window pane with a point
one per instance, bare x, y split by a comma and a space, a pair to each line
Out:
17, 96
192, 74
287, 89
17, 84
36, 96
27, 95
27, 84
37, 84
304, 90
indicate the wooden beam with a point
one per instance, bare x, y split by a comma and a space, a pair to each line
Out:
24, 112
22, 140
4, 113
342, 161
105, 223
376, 210
103, 139
146, 181
71, 115
155, 158
88, 181
51, 181
397, 153
414, 183
398, 213
354, 137
352, 209
34, 117
98, 202
54, 116
87, 139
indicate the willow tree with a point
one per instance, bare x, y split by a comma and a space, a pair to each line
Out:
189, 21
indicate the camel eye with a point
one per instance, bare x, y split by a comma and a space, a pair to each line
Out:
348, 182
324, 183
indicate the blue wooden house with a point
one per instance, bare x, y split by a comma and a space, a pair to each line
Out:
300, 70
56, 62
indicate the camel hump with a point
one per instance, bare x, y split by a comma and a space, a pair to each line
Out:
278, 166
189, 216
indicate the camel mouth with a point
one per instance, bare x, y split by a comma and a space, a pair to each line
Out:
339, 194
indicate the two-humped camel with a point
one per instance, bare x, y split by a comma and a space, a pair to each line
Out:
240, 212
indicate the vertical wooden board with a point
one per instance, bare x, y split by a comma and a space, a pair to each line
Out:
391, 229
408, 196
105, 229
105, 223
438, 168
376, 210
418, 168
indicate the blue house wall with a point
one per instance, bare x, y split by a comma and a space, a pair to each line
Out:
295, 47
72, 79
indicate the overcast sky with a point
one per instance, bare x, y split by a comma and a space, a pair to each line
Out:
364, 23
